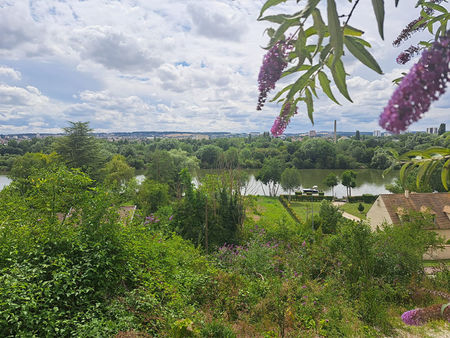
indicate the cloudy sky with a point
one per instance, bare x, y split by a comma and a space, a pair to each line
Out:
183, 65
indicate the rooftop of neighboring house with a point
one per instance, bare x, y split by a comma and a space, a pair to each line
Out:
436, 204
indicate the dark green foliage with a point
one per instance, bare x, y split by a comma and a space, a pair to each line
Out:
360, 208
349, 181
290, 180
209, 216
441, 129
270, 174
152, 195
79, 149
330, 217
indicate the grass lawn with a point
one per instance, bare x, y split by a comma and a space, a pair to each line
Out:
304, 209
267, 210
352, 208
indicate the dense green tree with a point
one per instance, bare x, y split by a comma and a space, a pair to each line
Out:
290, 180
331, 180
441, 129
152, 195
117, 172
79, 148
381, 159
357, 135
330, 216
270, 175
348, 180
209, 155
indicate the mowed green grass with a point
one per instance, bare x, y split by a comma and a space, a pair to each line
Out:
267, 210
304, 210
352, 208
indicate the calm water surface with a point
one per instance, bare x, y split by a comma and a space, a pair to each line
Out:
4, 181
368, 181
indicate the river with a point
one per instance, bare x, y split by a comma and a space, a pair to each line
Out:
368, 181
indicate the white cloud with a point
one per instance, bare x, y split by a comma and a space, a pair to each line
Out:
8, 73
171, 65
217, 21
114, 49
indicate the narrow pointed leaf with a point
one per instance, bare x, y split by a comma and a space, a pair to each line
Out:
334, 27
445, 174
285, 89
268, 4
361, 54
320, 27
300, 84
309, 105
325, 84
349, 30
279, 18
423, 167
338, 73
378, 8
279, 33
403, 171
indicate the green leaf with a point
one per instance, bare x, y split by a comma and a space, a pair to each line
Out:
361, 54
362, 42
300, 84
297, 68
320, 27
312, 86
403, 171
423, 167
436, 7
268, 4
338, 73
443, 307
300, 45
349, 30
445, 174
378, 8
325, 84
279, 18
285, 89
309, 104
324, 53
279, 33
270, 32
334, 27
306, 11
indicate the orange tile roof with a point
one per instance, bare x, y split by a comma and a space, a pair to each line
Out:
438, 205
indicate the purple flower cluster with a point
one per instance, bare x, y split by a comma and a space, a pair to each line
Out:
407, 54
151, 219
282, 121
424, 83
412, 317
410, 29
274, 62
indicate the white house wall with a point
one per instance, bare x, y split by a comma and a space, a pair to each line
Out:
378, 214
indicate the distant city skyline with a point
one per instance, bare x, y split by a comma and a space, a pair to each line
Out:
174, 65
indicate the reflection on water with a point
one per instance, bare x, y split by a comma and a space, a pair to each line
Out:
368, 181
4, 181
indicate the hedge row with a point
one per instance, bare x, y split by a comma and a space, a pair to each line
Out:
284, 200
366, 198
308, 198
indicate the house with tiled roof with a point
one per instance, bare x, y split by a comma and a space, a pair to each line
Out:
391, 209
